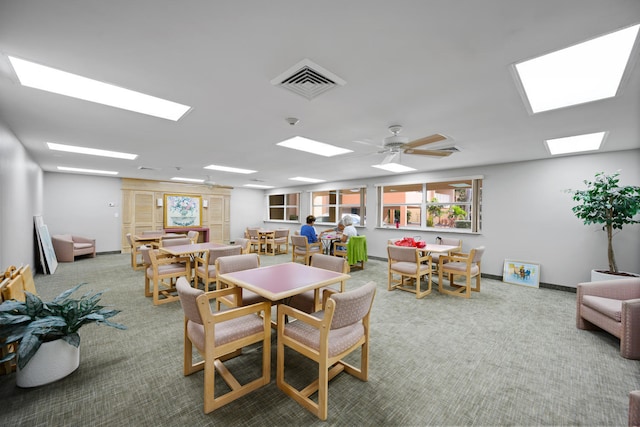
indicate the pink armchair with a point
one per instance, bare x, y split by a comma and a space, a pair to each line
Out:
67, 247
614, 306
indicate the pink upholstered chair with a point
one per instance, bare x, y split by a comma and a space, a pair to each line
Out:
460, 264
229, 264
326, 337
176, 241
303, 249
205, 267
311, 301
219, 336
614, 306
161, 274
244, 243
448, 241
410, 266
68, 246
275, 241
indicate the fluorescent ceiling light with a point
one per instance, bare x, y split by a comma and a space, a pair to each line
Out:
314, 147
460, 185
90, 151
66, 169
258, 186
575, 144
394, 167
582, 73
229, 169
177, 178
303, 179
52, 80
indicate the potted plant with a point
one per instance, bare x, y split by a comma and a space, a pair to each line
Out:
606, 202
46, 333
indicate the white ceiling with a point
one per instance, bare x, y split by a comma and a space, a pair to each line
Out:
431, 66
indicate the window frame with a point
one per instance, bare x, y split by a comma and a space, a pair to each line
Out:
287, 207
334, 205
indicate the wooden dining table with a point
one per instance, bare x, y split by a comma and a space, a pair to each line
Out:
281, 281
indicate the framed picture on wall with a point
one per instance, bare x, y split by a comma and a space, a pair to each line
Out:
182, 210
521, 273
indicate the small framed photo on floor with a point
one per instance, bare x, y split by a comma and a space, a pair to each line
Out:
521, 273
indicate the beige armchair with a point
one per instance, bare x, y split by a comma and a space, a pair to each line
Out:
303, 249
614, 306
68, 246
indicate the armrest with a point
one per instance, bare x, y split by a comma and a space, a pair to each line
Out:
318, 244
326, 294
285, 310
232, 313
424, 258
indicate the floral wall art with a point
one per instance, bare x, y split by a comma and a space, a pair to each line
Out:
182, 210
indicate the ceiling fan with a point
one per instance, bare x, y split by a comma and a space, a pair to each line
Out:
395, 144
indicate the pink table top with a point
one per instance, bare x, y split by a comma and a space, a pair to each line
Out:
192, 248
280, 281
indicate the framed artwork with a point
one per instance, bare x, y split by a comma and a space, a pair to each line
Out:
521, 273
182, 210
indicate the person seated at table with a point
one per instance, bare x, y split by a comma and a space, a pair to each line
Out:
346, 230
309, 230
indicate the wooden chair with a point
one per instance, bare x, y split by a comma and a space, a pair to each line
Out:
17, 281
326, 338
303, 249
411, 266
229, 264
256, 240
460, 264
205, 267
175, 241
137, 263
163, 270
219, 336
311, 301
355, 251
276, 240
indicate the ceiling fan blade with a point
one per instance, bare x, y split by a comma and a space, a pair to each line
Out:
436, 137
390, 157
433, 153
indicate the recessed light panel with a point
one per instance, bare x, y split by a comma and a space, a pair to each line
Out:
52, 80
575, 144
177, 178
304, 179
90, 151
394, 167
582, 73
314, 147
229, 169
91, 171
258, 186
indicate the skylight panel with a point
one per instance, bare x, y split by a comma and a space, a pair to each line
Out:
575, 144
63, 83
394, 167
229, 169
90, 151
586, 72
91, 171
314, 147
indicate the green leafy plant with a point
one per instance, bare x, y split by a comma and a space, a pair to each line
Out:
33, 322
606, 202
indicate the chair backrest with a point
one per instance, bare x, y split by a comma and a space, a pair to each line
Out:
129, 239
244, 244
332, 263
253, 233
281, 232
175, 242
352, 306
448, 241
146, 258
152, 232
229, 264
300, 241
188, 296
478, 254
401, 253
216, 253
193, 235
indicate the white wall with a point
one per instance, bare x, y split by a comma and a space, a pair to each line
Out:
79, 204
526, 213
20, 199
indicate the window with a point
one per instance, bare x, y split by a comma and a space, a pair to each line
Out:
284, 207
332, 205
443, 205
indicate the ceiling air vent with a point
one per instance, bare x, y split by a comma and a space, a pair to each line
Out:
307, 79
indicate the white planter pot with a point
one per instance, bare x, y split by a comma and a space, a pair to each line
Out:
597, 276
53, 360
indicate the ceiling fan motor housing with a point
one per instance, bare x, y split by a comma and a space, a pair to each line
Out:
395, 141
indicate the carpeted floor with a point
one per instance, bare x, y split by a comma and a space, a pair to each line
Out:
510, 355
